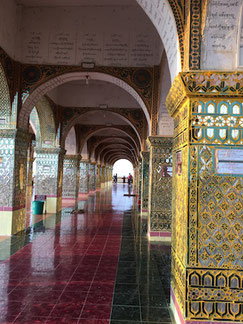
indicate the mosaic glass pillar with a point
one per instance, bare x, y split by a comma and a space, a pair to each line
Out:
140, 182
71, 177
102, 175
160, 188
49, 177
207, 203
29, 185
13, 177
92, 176
144, 183
98, 176
84, 177
110, 174
106, 174
135, 179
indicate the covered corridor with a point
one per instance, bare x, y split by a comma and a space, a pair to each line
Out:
83, 85
92, 267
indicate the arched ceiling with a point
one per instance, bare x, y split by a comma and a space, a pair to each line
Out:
121, 35
98, 136
79, 94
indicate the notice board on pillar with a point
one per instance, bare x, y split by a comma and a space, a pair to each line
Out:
228, 161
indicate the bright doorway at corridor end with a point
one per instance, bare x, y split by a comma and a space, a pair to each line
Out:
122, 168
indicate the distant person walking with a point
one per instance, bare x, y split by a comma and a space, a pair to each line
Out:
115, 178
129, 178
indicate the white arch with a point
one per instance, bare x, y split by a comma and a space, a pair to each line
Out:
36, 95
161, 15
70, 142
113, 128
79, 119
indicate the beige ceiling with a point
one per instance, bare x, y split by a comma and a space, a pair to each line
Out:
101, 118
58, 3
110, 132
79, 94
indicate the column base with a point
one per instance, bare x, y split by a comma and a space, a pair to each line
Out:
175, 308
12, 220
159, 236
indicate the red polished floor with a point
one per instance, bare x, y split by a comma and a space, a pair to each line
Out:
67, 273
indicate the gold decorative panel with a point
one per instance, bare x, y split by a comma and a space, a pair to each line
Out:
207, 203
160, 185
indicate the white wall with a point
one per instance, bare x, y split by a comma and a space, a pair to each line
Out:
163, 19
84, 153
165, 122
70, 143
220, 36
10, 15
113, 36
240, 41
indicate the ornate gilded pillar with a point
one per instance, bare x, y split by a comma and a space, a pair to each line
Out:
84, 177
102, 175
106, 173
13, 175
49, 176
207, 203
109, 171
98, 176
29, 185
160, 188
92, 176
140, 181
70, 188
144, 183
135, 179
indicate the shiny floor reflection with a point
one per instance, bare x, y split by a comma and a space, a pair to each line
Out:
70, 269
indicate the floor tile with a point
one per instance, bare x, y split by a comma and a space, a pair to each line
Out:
155, 314
99, 270
67, 310
95, 311
37, 309
125, 313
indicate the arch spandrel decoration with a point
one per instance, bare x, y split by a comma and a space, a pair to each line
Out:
39, 79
